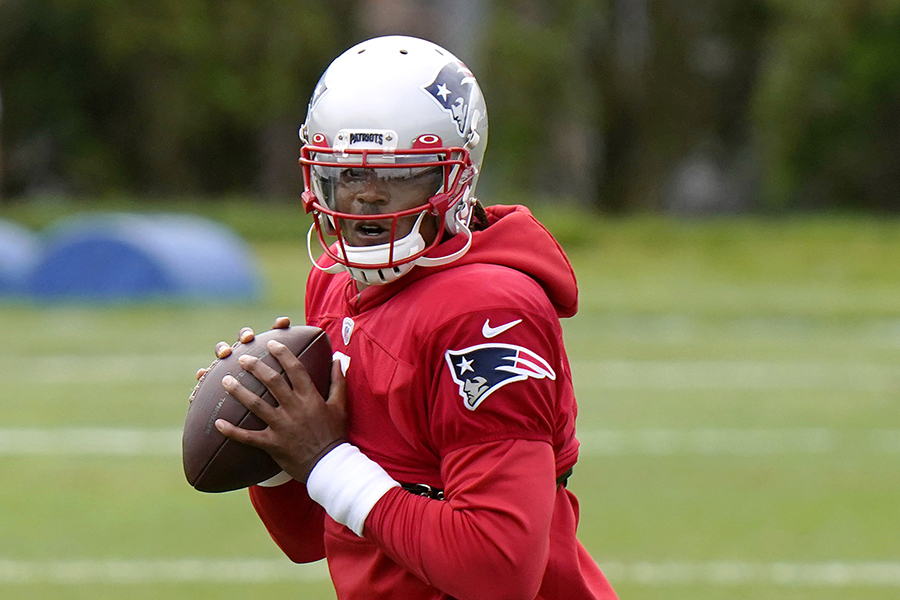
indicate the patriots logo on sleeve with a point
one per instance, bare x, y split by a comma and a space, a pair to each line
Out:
452, 88
481, 370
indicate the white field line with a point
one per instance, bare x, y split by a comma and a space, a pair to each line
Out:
733, 573
717, 442
736, 375
602, 374
661, 329
187, 570
121, 368
836, 574
89, 441
109, 441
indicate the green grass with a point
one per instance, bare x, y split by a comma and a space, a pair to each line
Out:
735, 324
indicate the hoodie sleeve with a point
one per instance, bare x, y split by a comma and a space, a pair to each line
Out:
500, 372
490, 537
295, 522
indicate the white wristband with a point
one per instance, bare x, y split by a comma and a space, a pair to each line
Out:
347, 484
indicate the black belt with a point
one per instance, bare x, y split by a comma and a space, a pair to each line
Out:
421, 489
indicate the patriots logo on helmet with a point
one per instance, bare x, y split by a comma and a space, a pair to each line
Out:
452, 88
481, 370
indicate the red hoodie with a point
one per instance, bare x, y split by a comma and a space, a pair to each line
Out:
460, 382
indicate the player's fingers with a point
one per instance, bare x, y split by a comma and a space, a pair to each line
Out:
201, 373
251, 401
282, 323
246, 335
337, 395
223, 349
293, 368
269, 377
239, 434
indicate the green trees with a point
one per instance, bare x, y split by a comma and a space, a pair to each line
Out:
827, 105
160, 97
690, 106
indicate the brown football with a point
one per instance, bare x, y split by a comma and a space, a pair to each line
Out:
213, 463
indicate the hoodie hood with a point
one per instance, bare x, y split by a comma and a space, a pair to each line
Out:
517, 240
513, 239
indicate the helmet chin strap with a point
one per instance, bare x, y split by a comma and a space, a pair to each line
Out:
333, 269
411, 243
425, 261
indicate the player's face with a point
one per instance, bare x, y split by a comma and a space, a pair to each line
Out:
383, 191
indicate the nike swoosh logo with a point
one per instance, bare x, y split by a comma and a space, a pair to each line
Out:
489, 332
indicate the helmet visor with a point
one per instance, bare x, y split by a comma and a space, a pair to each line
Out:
423, 182
418, 182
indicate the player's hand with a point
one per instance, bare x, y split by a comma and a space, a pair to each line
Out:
303, 427
245, 336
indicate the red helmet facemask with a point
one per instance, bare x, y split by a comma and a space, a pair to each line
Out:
321, 166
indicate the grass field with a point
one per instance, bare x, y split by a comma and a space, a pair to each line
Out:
739, 385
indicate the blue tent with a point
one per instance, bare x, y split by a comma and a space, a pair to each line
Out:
119, 257
19, 249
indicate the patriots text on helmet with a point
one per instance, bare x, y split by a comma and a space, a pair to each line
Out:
372, 138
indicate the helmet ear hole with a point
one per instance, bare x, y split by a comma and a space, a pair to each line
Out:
460, 218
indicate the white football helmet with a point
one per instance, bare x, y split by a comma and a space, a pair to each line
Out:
402, 106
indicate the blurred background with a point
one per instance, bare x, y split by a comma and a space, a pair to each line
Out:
695, 106
723, 174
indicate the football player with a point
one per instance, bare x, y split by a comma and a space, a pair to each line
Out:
437, 466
